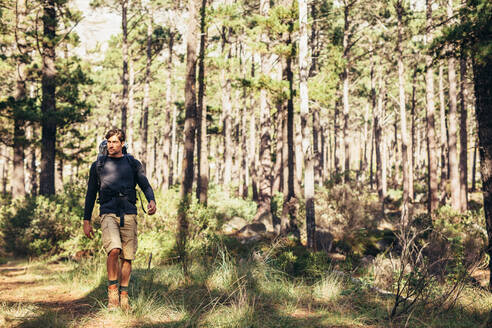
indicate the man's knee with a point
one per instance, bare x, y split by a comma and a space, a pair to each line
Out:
115, 252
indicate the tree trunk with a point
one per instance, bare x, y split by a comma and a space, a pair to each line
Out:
306, 135
252, 143
18, 175
318, 171
130, 134
175, 161
412, 148
146, 100
324, 153
189, 133
380, 146
202, 143
124, 76
4, 168
363, 160
463, 137
443, 135
403, 116
374, 126
453, 128
289, 209
430, 118
337, 144
474, 167
482, 69
265, 167
31, 162
169, 124
345, 84
227, 124
244, 146
59, 173
48, 103
277, 169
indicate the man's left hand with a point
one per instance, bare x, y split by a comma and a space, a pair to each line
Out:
151, 208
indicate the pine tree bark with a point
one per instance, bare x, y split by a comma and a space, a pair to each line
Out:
146, 100
337, 143
59, 173
189, 133
265, 167
482, 69
277, 168
244, 146
289, 209
316, 147
380, 145
403, 116
374, 126
168, 152
306, 135
130, 134
463, 137
443, 135
411, 158
433, 200
363, 160
252, 145
202, 142
32, 165
474, 167
453, 129
175, 160
18, 174
227, 124
345, 84
48, 102
4, 168
124, 76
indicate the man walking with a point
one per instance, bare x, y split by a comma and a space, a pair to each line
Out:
115, 176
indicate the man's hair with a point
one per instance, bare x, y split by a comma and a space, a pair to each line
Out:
118, 132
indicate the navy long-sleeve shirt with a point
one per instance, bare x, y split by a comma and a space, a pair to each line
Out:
117, 175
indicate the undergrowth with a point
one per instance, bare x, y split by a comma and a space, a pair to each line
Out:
264, 283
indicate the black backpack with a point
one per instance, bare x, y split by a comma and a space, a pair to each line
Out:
101, 160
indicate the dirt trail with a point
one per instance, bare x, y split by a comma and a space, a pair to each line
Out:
30, 297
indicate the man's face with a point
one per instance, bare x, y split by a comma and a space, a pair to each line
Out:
115, 146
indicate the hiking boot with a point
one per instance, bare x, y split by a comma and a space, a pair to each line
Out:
124, 301
113, 298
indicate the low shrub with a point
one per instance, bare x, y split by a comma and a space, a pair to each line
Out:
37, 226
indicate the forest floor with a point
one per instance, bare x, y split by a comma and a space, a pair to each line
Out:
42, 294
33, 295
29, 298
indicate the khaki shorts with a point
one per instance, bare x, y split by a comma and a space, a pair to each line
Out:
123, 238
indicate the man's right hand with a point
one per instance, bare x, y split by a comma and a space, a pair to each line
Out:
88, 229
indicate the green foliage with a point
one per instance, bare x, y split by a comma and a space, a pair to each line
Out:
473, 33
297, 261
38, 226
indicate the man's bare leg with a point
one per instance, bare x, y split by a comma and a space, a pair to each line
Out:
113, 268
112, 264
125, 272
